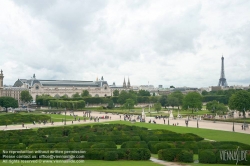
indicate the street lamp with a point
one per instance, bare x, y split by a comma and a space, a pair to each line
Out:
149, 110
214, 114
50, 113
233, 121
128, 108
65, 118
197, 119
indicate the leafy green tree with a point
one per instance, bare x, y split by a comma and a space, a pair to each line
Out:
111, 104
204, 93
143, 93
25, 96
7, 102
157, 106
179, 96
192, 100
173, 101
76, 95
64, 97
163, 100
124, 95
85, 93
129, 104
240, 101
216, 107
116, 92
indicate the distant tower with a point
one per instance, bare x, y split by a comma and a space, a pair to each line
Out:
1, 83
124, 83
128, 85
222, 80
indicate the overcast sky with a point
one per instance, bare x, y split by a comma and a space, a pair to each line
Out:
166, 42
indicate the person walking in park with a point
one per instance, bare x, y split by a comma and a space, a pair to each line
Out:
164, 120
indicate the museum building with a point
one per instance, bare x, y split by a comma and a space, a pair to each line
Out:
57, 88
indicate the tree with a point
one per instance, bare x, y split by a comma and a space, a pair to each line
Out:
124, 95
25, 96
204, 93
85, 93
64, 96
7, 102
143, 93
116, 92
173, 101
129, 104
216, 107
110, 104
157, 106
179, 96
163, 100
192, 100
76, 95
240, 101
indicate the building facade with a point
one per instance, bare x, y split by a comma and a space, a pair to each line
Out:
58, 88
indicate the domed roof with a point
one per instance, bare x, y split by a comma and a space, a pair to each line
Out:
18, 83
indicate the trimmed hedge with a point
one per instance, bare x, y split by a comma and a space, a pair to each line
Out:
134, 144
111, 156
176, 155
222, 156
134, 154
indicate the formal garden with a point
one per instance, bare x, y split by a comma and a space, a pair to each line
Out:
118, 142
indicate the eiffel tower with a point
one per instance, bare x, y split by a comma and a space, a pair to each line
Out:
222, 80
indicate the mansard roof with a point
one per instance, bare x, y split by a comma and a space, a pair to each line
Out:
61, 83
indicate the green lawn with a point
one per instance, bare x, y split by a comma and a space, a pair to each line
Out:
88, 163
216, 135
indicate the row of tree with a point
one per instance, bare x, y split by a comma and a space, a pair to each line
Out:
239, 100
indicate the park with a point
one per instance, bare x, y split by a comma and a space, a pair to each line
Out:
123, 133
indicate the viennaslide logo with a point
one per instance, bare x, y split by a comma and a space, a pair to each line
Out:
235, 155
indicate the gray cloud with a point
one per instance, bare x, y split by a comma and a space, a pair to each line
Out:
161, 42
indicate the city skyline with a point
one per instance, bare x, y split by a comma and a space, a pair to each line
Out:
177, 43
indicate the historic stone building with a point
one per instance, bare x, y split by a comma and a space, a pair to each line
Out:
57, 88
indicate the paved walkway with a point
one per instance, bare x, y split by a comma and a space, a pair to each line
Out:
225, 126
166, 163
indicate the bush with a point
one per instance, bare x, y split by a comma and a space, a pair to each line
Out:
111, 156
139, 154
185, 156
163, 145
134, 144
207, 156
176, 155
104, 145
151, 146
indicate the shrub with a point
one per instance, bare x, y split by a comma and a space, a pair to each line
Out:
175, 155
163, 145
134, 144
185, 156
139, 154
207, 156
111, 156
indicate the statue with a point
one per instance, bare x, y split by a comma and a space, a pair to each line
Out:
171, 115
143, 116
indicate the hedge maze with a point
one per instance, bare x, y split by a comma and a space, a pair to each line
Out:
99, 142
18, 119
